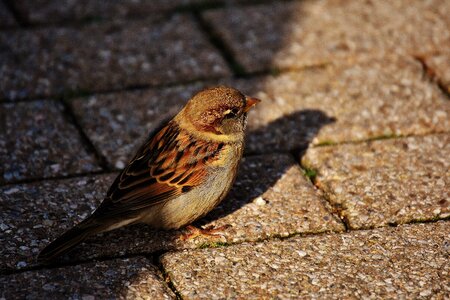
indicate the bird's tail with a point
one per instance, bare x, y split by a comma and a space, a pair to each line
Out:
70, 239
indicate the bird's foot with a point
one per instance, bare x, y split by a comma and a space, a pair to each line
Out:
210, 232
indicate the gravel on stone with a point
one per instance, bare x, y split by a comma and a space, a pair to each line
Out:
406, 262
304, 33
34, 214
270, 198
36, 141
59, 11
132, 278
128, 117
348, 101
388, 181
105, 56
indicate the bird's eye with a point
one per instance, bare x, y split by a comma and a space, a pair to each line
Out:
232, 113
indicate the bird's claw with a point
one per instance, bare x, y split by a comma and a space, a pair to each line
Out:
209, 232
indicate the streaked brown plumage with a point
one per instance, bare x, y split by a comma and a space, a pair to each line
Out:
180, 173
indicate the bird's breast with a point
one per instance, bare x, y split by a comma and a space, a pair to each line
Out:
196, 203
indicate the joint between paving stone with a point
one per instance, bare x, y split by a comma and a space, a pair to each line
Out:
335, 211
90, 147
430, 74
219, 44
21, 20
60, 177
74, 94
376, 138
156, 260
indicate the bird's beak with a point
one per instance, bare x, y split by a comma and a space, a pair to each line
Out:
250, 102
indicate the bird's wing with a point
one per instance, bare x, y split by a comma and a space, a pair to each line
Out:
169, 164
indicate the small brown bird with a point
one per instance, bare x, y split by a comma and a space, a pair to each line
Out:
180, 173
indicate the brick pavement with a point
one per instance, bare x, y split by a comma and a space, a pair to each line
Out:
344, 190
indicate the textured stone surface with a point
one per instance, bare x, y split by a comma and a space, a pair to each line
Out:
6, 18
391, 263
49, 11
131, 116
302, 33
270, 198
439, 66
388, 181
337, 103
34, 214
37, 141
133, 278
104, 56
346, 102
128, 117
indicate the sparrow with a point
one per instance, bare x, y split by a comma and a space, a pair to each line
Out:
178, 175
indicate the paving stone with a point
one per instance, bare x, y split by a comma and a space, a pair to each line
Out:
351, 101
344, 102
439, 65
36, 141
104, 56
51, 11
304, 33
131, 116
270, 198
34, 214
6, 18
389, 181
133, 278
128, 117
390, 263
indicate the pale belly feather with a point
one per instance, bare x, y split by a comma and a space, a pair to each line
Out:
188, 207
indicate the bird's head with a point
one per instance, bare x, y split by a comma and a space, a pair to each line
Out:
220, 111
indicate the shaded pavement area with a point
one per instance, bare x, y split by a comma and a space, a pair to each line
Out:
344, 190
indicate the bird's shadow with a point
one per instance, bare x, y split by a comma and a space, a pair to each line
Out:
260, 170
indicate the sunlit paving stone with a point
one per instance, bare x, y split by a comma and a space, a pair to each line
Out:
271, 197
304, 33
389, 181
405, 262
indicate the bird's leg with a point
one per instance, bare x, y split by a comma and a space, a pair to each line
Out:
210, 231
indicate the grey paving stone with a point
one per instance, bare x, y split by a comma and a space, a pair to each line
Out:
34, 214
6, 17
439, 65
104, 56
133, 278
36, 141
50, 11
388, 181
304, 33
129, 117
270, 198
390, 263
352, 101
118, 123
